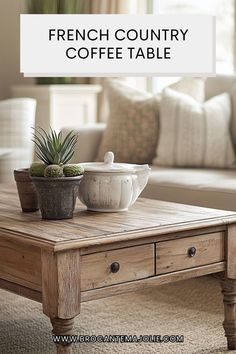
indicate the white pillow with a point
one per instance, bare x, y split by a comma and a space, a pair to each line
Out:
192, 86
193, 134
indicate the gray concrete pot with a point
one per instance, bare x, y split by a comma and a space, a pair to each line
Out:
57, 196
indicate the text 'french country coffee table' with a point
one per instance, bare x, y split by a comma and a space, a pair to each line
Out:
95, 255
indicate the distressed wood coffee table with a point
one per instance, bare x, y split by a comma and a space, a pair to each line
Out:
95, 255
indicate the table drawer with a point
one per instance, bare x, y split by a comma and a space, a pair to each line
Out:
189, 252
117, 266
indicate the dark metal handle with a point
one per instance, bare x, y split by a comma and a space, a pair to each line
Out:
115, 267
192, 251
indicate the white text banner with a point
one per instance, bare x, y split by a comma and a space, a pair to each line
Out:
117, 45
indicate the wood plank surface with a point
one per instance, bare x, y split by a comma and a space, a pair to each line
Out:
146, 218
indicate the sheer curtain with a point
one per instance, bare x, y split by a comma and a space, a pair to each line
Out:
106, 6
113, 7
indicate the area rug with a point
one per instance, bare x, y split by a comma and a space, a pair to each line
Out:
192, 308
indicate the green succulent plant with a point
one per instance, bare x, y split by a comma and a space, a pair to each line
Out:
53, 171
73, 170
37, 169
52, 148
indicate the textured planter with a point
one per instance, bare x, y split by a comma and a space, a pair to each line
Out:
57, 196
26, 190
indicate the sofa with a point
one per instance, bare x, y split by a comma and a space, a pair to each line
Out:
209, 187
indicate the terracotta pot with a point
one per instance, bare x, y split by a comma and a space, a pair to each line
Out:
26, 190
57, 196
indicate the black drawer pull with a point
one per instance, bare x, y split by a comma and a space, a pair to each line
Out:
192, 251
115, 267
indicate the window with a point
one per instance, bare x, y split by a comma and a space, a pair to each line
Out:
224, 12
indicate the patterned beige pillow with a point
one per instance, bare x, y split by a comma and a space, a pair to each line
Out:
192, 134
132, 128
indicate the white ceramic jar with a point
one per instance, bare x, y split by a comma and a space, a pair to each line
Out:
111, 187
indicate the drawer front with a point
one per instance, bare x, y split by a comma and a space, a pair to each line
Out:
189, 252
117, 266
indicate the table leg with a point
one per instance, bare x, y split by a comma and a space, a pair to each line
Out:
61, 292
62, 327
229, 298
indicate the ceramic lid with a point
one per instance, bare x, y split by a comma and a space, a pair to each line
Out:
110, 166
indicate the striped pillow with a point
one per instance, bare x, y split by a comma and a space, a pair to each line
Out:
193, 134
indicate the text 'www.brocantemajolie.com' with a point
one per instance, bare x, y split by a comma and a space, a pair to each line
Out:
67, 339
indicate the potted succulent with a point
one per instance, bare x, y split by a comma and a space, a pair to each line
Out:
56, 181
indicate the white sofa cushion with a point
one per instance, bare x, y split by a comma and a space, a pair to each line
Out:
192, 134
213, 188
89, 138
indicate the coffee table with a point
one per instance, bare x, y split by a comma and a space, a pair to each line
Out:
95, 255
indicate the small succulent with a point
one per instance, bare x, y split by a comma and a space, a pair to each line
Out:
37, 169
73, 170
52, 148
53, 171
55, 152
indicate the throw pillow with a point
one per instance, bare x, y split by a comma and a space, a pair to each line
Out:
194, 134
192, 86
132, 129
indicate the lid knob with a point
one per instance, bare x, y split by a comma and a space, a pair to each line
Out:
109, 158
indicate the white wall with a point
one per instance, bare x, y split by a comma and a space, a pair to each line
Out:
10, 46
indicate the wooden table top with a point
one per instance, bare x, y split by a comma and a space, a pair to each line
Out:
146, 218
